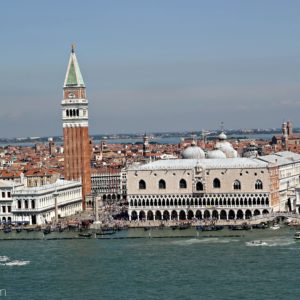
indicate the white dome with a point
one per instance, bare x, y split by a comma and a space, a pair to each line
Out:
216, 154
193, 152
227, 148
222, 136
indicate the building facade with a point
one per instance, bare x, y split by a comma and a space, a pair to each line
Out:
219, 188
39, 205
181, 189
111, 184
6, 200
288, 178
75, 128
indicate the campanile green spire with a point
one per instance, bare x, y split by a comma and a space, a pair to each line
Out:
73, 76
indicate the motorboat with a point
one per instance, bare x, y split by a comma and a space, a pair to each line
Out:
297, 235
257, 243
275, 227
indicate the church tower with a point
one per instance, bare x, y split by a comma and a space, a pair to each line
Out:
145, 145
75, 127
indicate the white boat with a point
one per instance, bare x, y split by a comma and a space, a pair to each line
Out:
297, 235
275, 227
257, 243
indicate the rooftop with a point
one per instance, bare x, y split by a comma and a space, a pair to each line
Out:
73, 76
181, 164
59, 184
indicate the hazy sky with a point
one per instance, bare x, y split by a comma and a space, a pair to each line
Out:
162, 65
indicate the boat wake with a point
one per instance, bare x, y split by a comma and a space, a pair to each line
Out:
6, 261
270, 242
203, 241
256, 243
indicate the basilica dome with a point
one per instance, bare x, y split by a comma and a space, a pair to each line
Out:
216, 153
222, 136
224, 146
193, 152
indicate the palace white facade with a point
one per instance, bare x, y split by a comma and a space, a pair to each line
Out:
36, 205
288, 164
221, 188
6, 200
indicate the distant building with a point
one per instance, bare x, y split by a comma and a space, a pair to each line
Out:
52, 146
16, 176
288, 140
146, 149
39, 177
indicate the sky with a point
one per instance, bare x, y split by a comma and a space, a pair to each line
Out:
159, 65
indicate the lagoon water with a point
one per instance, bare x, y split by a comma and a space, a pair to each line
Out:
201, 267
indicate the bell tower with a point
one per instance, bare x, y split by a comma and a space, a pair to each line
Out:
75, 128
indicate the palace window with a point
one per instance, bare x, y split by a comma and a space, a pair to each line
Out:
182, 184
216, 183
237, 185
199, 186
142, 185
162, 184
258, 185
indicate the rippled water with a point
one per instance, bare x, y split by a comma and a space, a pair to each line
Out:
199, 267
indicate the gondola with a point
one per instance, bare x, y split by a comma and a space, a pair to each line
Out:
7, 229
47, 230
87, 234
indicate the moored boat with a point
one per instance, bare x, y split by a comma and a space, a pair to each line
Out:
47, 230
297, 235
209, 227
184, 226
275, 227
18, 229
87, 234
106, 232
7, 229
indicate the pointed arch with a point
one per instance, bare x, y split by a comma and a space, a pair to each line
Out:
199, 186
150, 215
162, 184
258, 185
182, 184
166, 215
236, 185
217, 183
142, 184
